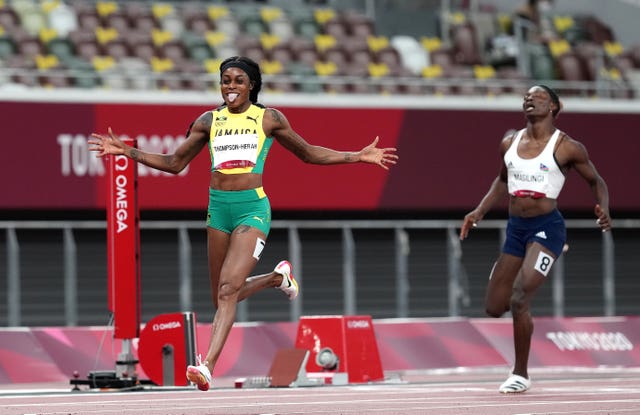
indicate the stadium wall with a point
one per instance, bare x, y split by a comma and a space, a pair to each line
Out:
448, 149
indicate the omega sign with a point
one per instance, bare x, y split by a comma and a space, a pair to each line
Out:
123, 245
121, 199
166, 326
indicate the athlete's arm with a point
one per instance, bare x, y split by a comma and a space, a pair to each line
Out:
197, 138
497, 191
573, 154
275, 124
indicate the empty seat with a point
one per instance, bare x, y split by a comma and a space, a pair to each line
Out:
337, 56
306, 28
143, 50
32, 18
88, 49
54, 78
199, 52
256, 53
117, 49
254, 27
7, 47
571, 68
199, 24
391, 58
30, 46
412, 55
281, 54
62, 19
9, 19
307, 57
282, 28
441, 57
173, 50
465, 45
62, 48
335, 28
88, 19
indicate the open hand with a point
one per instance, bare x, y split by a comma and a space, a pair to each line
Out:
383, 157
105, 145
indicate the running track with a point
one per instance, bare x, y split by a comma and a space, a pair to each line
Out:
587, 392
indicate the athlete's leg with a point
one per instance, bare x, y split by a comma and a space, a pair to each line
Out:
237, 264
217, 246
500, 286
218, 243
535, 268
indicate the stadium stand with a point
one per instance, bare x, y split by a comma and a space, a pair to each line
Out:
477, 50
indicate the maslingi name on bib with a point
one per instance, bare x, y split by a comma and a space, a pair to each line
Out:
534, 178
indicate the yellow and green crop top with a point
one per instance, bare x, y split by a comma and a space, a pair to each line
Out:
237, 143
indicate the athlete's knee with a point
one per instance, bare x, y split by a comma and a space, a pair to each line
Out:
495, 310
519, 301
227, 291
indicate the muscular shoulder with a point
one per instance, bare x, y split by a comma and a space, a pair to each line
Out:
201, 125
273, 121
569, 150
507, 140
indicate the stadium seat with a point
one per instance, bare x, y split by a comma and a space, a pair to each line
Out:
30, 46
358, 25
337, 56
82, 74
25, 73
117, 49
54, 78
62, 19
307, 57
88, 19
62, 48
88, 49
118, 21
465, 46
173, 50
282, 54
282, 28
198, 23
412, 54
335, 28
9, 19
255, 52
200, 51
7, 47
306, 28
571, 68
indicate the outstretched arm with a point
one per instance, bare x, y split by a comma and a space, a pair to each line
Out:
174, 163
276, 124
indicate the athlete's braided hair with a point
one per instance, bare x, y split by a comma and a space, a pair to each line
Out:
252, 70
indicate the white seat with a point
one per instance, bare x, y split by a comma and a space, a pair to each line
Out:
413, 56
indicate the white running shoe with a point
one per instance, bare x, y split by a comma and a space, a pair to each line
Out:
515, 384
289, 284
199, 375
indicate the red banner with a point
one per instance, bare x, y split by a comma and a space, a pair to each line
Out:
448, 157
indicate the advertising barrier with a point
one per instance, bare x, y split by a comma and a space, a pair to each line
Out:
56, 353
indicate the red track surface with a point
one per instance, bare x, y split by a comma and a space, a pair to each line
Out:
586, 392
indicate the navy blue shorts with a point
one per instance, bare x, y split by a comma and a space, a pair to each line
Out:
549, 230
